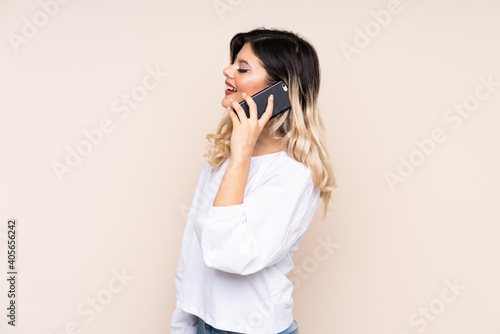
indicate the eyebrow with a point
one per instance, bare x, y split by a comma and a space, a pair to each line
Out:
244, 61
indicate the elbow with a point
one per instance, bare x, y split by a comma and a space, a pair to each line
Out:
237, 270
244, 264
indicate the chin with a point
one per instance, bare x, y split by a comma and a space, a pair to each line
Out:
225, 101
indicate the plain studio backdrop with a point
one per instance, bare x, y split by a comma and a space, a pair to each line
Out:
105, 106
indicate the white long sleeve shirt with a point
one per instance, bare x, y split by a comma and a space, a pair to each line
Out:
233, 260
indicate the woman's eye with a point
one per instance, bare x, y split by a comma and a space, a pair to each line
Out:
241, 70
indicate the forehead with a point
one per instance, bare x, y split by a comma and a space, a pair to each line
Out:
246, 54
247, 50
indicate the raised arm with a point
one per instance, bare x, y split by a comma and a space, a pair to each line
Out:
246, 132
233, 183
247, 237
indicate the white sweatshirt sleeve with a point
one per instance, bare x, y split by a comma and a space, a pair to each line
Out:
247, 237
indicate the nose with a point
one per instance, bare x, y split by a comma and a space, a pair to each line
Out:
229, 71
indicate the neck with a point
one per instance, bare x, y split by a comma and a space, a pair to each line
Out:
266, 144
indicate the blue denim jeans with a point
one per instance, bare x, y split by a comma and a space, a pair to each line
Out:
204, 328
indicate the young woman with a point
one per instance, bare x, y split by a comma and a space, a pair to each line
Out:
256, 194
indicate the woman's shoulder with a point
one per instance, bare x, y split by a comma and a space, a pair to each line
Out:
280, 165
283, 165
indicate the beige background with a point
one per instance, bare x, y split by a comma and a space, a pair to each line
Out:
125, 205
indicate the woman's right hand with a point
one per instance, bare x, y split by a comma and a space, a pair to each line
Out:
246, 131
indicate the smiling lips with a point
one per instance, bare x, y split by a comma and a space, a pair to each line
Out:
230, 89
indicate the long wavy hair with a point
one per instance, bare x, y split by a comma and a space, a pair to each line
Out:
300, 129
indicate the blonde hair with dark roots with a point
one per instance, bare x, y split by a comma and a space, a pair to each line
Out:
300, 129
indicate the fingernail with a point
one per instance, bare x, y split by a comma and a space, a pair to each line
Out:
243, 94
271, 97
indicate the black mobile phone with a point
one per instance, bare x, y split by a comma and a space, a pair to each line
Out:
281, 100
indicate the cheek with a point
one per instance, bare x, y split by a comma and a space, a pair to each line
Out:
250, 86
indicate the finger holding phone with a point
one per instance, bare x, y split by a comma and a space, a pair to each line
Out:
246, 130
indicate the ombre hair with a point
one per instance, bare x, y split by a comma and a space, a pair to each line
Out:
300, 130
